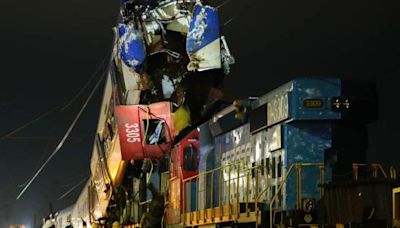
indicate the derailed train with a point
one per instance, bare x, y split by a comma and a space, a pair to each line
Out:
171, 150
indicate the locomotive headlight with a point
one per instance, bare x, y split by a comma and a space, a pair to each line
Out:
339, 103
336, 103
346, 103
308, 205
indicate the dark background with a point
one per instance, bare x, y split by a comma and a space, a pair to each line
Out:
50, 49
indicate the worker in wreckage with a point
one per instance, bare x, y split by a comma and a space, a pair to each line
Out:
169, 52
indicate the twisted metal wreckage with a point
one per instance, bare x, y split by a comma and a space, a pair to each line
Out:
171, 50
168, 52
169, 57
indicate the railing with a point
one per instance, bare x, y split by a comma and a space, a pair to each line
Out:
298, 167
230, 209
232, 204
375, 170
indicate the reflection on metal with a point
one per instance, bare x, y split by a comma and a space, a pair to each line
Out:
278, 109
275, 138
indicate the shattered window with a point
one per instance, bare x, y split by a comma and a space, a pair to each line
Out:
154, 131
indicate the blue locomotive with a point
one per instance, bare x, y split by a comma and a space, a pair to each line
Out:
274, 153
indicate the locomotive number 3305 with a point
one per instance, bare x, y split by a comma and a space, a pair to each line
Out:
132, 132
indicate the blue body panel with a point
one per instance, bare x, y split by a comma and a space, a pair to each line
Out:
307, 133
323, 89
131, 46
305, 142
287, 101
204, 28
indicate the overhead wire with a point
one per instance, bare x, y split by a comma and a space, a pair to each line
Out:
58, 108
44, 153
61, 143
222, 4
87, 83
73, 188
68, 182
243, 9
18, 129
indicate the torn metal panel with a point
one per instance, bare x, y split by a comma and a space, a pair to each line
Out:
171, 50
226, 56
146, 131
131, 45
203, 40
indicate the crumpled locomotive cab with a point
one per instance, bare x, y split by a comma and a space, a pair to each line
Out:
146, 131
171, 51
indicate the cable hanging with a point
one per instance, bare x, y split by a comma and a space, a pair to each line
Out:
73, 188
18, 129
58, 108
64, 138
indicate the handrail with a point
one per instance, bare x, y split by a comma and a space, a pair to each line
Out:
241, 168
382, 170
196, 178
393, 173
375, 167
283, 182
242, 172
211, 170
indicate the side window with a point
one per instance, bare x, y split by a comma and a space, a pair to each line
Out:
190, 162
154, 131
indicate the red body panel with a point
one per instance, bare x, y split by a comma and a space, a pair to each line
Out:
184, 164
192, 139
134, 135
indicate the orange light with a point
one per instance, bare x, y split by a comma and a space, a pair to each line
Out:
115, 163
17, 226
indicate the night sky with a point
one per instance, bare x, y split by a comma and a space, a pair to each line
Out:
50, 49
